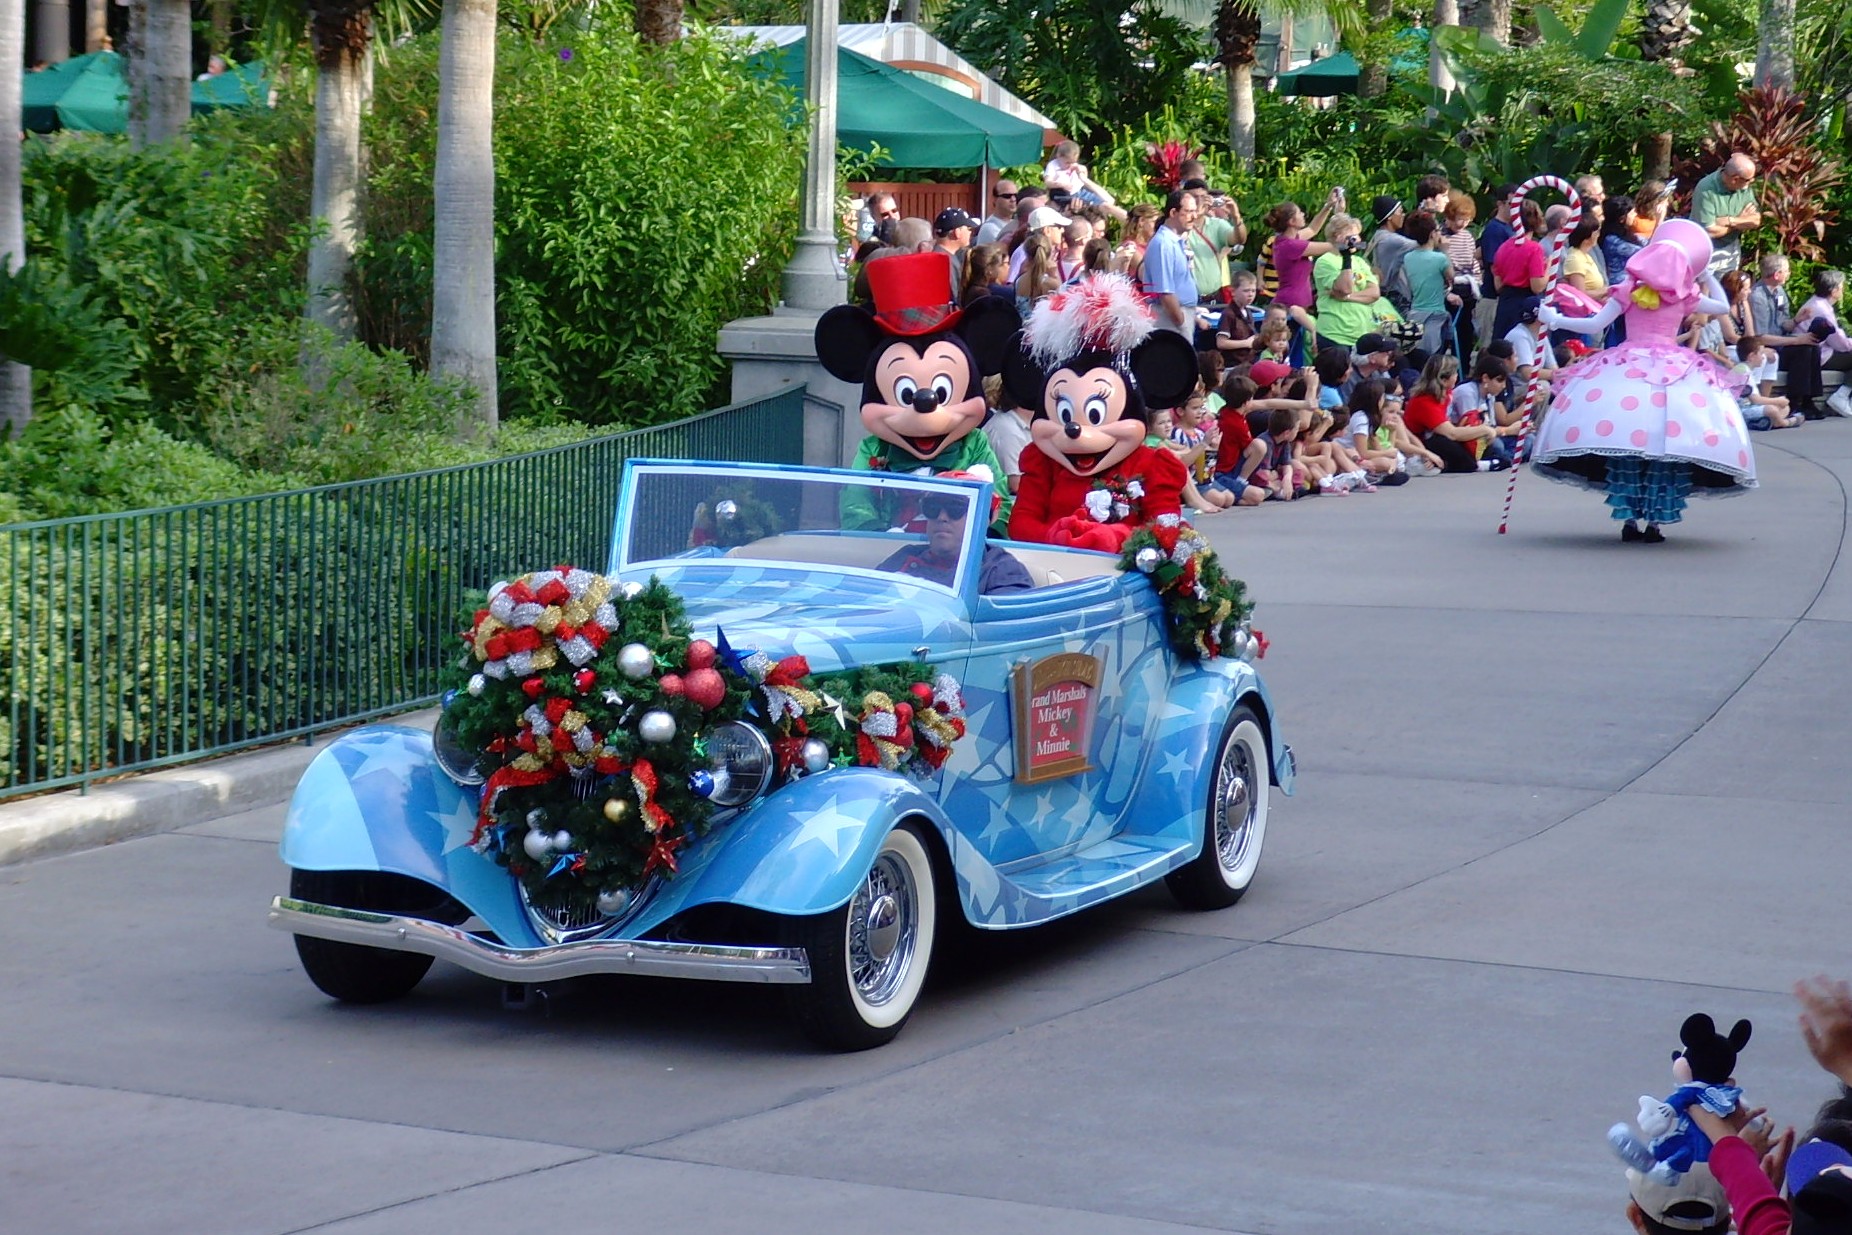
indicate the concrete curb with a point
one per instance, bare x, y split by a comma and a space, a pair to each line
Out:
72, 820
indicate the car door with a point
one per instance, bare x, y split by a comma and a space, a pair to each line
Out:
1086, 747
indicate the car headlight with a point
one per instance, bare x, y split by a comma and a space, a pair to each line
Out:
457, 760
739, 763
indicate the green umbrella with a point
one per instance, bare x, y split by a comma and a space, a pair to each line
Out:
86, 92
918, 123
246, 85
89, 93
1330, 75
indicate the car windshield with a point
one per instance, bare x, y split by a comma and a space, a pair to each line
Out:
916, 526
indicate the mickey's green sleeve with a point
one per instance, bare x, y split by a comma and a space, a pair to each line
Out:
857, 504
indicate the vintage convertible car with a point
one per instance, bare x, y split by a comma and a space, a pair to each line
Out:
1095, 760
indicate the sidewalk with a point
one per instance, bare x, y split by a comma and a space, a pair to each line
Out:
70, 820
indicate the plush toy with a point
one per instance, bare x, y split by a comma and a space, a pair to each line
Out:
922, 361
1703, 1070
1090, 364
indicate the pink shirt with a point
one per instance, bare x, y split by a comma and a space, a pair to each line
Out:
1295, 270
1518, 262
1754, 1203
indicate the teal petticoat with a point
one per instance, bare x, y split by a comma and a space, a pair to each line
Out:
1651, 489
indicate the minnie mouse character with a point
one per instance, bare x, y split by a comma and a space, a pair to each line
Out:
1090, 363
921, 361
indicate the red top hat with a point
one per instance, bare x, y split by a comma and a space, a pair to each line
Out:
912, 293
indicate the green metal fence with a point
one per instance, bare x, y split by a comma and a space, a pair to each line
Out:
147, 638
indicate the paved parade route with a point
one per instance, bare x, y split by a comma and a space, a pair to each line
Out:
1556, 792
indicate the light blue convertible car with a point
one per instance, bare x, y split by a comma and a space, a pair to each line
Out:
1097, 760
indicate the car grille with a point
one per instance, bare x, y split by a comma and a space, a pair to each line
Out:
563, 923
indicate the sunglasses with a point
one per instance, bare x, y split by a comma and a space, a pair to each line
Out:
950, 507
1008, 196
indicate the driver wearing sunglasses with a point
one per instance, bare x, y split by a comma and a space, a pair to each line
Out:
937, 559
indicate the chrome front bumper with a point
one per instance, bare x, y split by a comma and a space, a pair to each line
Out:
713, 962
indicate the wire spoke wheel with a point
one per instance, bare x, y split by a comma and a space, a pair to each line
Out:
868, 959
1234, 820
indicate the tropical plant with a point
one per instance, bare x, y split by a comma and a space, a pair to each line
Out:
1774, 128
1092, 66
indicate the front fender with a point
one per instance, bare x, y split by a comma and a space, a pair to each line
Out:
803, 850
376, 800
1222, 683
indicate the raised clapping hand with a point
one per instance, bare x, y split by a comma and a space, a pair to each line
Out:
1826, 1023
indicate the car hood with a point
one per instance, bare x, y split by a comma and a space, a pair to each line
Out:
833, 620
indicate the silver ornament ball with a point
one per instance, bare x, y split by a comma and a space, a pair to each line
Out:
726, 508
635, 660
477, 684
537, 845
613, 901
816, 755
1148, 559
632, 590
657, 727
536, 818
562, 840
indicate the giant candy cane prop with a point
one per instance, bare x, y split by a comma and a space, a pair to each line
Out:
1553, 267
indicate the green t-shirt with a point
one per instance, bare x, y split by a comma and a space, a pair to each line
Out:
1208, 242
1710, 201
1427, 280
1344, 321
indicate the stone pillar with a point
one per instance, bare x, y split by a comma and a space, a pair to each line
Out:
51, 41
813, 280
774, 352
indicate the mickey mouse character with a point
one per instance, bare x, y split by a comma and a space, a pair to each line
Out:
1089, 365
921, 361
1704, 1070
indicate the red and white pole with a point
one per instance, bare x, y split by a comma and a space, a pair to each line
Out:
1553, 268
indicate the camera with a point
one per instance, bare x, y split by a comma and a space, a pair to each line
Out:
1351, 244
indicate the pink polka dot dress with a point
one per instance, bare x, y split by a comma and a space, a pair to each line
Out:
1648, 401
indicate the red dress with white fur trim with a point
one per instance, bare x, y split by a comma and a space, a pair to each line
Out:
1051, 502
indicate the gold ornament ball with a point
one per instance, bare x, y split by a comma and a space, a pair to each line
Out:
616, 810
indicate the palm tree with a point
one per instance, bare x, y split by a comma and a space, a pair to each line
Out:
463, 270
1491, 17
1373, 74
160, 70
1665, 31
1440, 76
1775, 44
15, 379
1236, 26
659, 21
342, 32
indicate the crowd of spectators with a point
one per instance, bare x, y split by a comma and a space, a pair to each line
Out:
1344, 352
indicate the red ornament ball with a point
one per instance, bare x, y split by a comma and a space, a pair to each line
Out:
702, 654
671, 684
705, 688
922, 691
533, 687
903, 713
584, 680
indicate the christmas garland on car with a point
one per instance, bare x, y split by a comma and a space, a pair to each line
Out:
1204, 608
587, 706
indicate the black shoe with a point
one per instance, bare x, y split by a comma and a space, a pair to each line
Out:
1810, 412
1652, 535
1630, 531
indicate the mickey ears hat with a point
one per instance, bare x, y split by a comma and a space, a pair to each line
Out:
913, 293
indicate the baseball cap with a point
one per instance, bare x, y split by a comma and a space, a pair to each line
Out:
1372, 343
1810, 1159
1266, 372
1695, 1203
950, 220
1047, 216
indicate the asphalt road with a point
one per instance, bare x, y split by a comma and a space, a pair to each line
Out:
1556, 793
